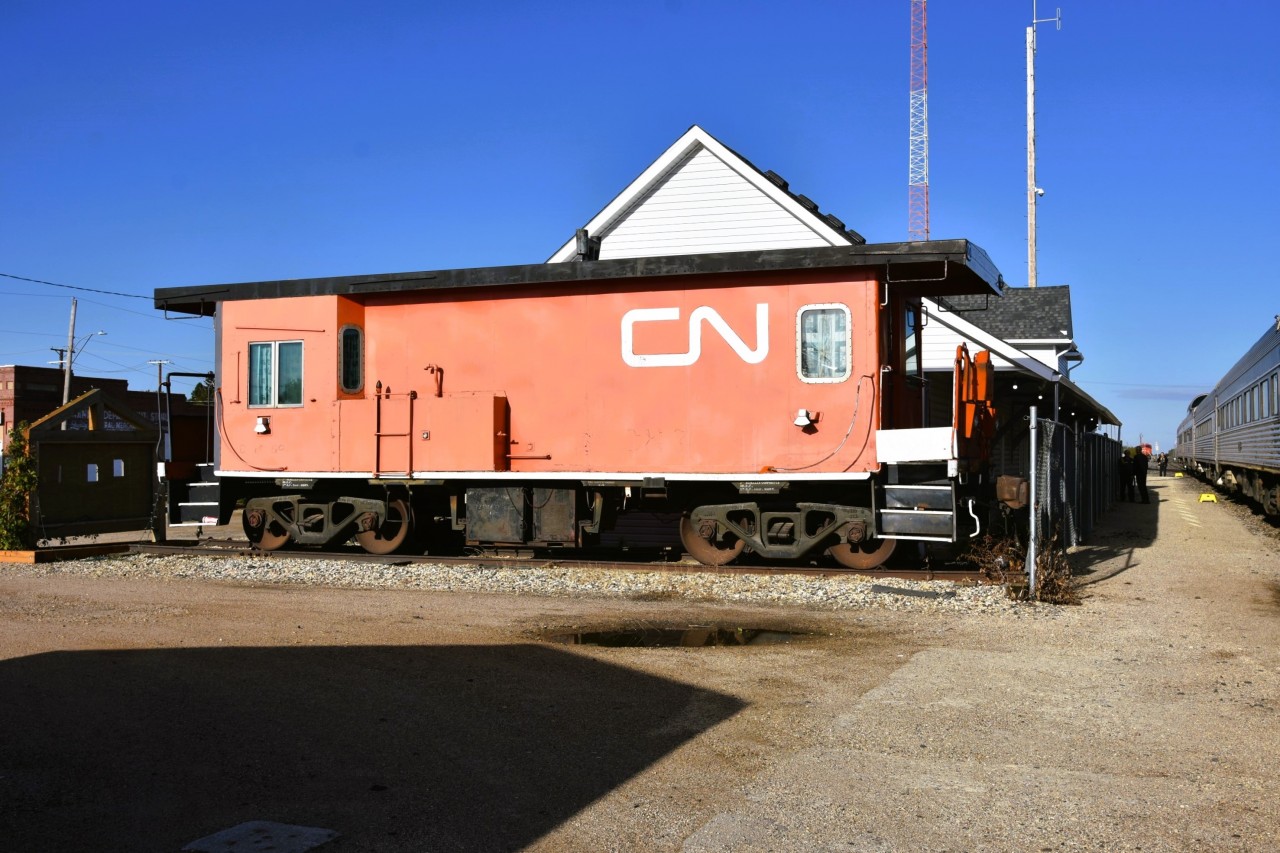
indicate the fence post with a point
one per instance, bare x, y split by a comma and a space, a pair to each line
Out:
1034, 511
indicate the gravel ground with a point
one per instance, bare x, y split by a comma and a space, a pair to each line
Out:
833, 593
153, 701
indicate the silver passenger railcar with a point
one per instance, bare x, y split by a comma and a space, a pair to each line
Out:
1231, 435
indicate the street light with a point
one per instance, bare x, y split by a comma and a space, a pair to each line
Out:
73, 349
79, 348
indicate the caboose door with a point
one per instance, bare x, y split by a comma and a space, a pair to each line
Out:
903, 388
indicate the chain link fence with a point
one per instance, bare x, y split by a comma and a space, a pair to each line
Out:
1073, 481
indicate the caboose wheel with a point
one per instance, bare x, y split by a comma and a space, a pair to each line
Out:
393, 532
863, 555
263, 534
704, 549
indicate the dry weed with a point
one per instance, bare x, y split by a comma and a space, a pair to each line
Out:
1003, 561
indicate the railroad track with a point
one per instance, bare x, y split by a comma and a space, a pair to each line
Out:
242, 548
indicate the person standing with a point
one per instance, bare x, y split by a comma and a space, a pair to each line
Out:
1140, 463
1164, 463
1124, 478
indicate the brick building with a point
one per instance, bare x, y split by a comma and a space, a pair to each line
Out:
28, 393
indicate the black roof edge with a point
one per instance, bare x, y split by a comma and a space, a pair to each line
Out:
933, 267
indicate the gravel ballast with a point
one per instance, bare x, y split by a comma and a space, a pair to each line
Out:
828, 593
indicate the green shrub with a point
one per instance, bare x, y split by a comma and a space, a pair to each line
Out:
16, 487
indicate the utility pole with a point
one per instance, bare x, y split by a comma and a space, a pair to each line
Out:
162, 423
1033, 192
71, 352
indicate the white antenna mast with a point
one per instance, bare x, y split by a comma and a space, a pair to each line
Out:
1033, 192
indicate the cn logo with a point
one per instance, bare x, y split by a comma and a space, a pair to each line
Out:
701, 313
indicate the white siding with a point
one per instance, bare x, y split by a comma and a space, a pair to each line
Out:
939, 346
702, 205
1047, 356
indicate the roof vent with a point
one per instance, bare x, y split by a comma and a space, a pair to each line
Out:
808, 203
834, 221
776, 178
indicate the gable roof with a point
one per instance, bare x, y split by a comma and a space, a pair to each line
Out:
1021, 314
97, 403
701, 196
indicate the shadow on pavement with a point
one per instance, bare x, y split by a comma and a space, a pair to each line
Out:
397, 748
1121, 534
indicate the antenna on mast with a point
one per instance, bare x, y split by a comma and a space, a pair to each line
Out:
918, 153
1034, 192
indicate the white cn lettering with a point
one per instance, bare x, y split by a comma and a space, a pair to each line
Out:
683, 359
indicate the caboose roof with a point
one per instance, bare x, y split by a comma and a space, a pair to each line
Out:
933, 268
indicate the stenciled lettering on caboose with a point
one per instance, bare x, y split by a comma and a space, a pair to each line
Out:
696, 318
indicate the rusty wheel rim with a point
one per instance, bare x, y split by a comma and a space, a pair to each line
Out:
863, 555
393, 532
271, 537
706, 552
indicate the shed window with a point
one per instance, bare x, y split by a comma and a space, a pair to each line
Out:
117, 467
822, 343
91, 472
351, 355
275, 373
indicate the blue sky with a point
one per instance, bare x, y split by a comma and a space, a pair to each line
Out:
170, 143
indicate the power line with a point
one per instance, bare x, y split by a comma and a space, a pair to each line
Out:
74, 287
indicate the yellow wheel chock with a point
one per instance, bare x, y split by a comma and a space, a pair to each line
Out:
1179, 474
1208, 496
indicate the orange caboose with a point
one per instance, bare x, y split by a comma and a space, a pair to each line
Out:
769, 401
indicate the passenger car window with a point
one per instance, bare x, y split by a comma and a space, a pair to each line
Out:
822, 343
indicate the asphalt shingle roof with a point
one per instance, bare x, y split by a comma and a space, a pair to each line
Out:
1023, 313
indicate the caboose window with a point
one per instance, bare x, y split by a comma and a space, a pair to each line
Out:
351, 370
275, 373
822, 343
911, 337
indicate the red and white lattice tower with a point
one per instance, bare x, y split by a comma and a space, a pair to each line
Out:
918, 157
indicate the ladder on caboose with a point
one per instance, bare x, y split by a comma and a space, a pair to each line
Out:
397, 409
